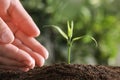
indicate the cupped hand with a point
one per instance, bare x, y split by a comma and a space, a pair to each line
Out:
19, 50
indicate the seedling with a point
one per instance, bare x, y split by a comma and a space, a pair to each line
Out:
69, 37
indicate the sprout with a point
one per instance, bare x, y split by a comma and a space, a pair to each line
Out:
69, 37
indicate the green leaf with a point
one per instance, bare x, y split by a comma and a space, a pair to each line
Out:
72, 24
92, 38
59, 30
70, 29
77, 38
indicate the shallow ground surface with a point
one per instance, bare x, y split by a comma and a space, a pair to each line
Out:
65, 72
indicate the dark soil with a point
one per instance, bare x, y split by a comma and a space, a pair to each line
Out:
65, 72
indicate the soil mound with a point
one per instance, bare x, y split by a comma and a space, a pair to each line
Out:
64, 71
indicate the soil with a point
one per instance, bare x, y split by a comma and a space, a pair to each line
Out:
64, 71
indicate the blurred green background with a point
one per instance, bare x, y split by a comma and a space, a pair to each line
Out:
98, 18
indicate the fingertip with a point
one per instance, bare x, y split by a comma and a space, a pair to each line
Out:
6, 37
37, 32
30, 64
46, 54
34, 33
24, 69
41, 62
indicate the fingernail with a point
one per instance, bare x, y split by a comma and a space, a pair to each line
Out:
24, 69
7, 37
41, 63
47, 54
27, 63
30, 65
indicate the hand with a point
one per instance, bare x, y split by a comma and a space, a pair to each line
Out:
18, 48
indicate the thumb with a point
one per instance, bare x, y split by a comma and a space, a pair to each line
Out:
6, 35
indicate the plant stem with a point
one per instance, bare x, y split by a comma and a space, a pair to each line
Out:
69, 51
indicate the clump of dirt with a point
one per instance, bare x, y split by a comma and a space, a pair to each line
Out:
64, 71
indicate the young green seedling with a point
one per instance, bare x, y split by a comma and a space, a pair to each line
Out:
69, 37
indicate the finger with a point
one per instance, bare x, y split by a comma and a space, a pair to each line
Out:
10, 62
25, 69
33, 44
12, 52
39, 60
6, 36
21, 19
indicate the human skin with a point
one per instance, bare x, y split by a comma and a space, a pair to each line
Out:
19, 50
